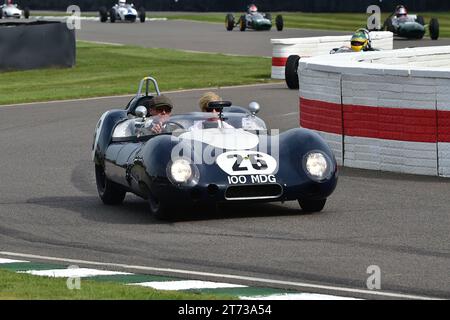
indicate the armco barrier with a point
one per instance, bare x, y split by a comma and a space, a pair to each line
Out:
38, 44
385, 110
313, 46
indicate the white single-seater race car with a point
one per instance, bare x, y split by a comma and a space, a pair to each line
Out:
10, 10
122, 12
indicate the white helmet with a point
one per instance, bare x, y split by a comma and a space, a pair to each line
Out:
252, 8
122, 2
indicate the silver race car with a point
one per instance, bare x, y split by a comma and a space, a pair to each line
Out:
122, 12
10, 10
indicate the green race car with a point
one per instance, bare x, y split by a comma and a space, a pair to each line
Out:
401, 24
253, 20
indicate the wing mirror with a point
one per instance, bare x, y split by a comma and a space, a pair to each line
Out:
254, 107
141, 111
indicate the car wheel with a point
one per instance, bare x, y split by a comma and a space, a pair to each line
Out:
242, 23
142, 14
103, 13
388, 25
229, 22
291, 71
1, 13
110, 192
420, 20
434, 29
112, 15
311, 206
26, 13
159, 209
279, 22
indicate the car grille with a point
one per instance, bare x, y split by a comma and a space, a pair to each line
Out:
254, 191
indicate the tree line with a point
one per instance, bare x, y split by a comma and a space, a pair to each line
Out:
240, 5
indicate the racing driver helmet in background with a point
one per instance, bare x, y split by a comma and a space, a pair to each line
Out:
400, 11
360, 40
252, 9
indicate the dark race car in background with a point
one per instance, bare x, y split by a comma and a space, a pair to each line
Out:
122, 12
410, 26
254, 20
233, 160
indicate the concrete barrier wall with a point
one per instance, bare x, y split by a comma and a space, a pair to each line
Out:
394, 117
313, 46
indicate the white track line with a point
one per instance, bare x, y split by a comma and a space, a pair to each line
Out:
73, 273
186, 285
297, 296
4, 261
265, 281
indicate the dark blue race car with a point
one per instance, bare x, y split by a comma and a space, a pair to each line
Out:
208, 158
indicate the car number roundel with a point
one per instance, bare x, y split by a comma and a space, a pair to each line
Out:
246, 162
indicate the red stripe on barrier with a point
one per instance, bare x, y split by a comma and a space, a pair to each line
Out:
278, 61
444, 126
414, 125
322, 116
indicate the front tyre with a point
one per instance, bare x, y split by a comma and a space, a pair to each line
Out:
291, 72
103, 13
229, 22
112, 15
242, 23
26, 13
110, 192
434, 29
159, 209
310, 206
279, 22
142, 14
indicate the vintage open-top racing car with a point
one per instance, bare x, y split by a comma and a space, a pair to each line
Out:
10, 10
410, 26
122, 12
229, 157
252, 19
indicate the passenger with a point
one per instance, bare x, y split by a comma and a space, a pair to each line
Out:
214, 121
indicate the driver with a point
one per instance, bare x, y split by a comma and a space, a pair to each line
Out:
122, 3
360, 41
159, 110
401, 11
252, 9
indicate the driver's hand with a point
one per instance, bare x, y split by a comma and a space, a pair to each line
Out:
157, 128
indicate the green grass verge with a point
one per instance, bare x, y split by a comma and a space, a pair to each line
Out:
14, 286
324, 21
103, 70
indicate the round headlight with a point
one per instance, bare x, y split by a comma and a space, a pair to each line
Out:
317, 165
181, 170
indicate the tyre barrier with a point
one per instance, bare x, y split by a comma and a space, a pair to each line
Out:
36, 44
385, 110
313, 46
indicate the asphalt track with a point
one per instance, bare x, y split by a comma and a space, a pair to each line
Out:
207, 37
49, 206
